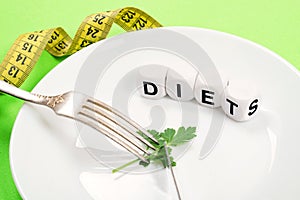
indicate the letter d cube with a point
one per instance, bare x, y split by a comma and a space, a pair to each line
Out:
151, 81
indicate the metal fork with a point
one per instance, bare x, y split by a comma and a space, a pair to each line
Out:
93, 113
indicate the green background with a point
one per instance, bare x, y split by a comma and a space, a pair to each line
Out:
273, 24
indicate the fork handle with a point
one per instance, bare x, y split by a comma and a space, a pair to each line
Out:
21, 94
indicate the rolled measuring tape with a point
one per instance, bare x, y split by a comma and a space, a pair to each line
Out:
26, 50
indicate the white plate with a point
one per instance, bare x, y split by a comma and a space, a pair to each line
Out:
259, 159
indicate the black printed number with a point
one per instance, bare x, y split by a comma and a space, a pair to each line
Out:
62, 45
85, 43
98, 18
13, 71
33, 37
92, 31
54, 36
139, 24
21, 59
128, 16
27, 47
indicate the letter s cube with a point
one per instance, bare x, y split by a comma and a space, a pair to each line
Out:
151, 81
241, 100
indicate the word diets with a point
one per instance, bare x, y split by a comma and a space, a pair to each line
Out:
238, 99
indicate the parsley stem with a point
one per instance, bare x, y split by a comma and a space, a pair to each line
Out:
169, 138
124, 166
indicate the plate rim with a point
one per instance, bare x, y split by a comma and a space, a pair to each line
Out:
93, 46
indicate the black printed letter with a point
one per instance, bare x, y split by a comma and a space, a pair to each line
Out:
207, 95
231, 105
253, 107
147, 92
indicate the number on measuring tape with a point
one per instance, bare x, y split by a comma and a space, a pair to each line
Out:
33, 37
27, 47
26, 50
85, 43
61, 45
21, 58
128, 16
13, 71
99, 19
140, 23
54, 37
92, 32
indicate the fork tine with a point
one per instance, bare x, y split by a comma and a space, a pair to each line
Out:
98, 120
109, 135
122, 116
106, 115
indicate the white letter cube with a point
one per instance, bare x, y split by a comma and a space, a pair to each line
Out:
241, 101
151, 81
180, 86
209, 92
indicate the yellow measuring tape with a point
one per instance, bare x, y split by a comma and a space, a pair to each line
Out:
26, 50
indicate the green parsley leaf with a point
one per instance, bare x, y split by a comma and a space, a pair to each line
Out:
154, 133
183, 135
171, 138
168, 135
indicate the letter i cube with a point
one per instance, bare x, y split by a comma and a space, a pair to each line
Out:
180, 84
